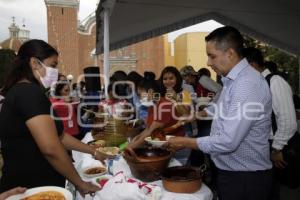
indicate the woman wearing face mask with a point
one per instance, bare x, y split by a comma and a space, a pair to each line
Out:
33, 144
170, 82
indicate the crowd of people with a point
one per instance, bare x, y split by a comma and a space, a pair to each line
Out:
240, 133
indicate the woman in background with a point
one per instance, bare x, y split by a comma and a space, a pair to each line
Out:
171, 89
65, 107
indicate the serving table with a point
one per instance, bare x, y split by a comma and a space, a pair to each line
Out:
118, 164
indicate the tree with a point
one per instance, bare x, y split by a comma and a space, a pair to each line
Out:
6, 57
287, 63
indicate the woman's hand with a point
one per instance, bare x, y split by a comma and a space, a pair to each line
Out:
171, 94
87, 188
98, 155
14, 191
140, 139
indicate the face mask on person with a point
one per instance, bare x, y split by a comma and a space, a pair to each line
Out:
146, 102
51, 75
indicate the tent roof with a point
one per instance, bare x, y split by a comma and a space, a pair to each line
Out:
273, 21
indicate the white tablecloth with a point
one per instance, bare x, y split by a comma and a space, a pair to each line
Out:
84, 160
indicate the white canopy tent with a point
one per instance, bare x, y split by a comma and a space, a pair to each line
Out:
275, 22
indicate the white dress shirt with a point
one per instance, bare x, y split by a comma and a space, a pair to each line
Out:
284, 110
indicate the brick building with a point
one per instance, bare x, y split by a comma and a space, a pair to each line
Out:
76, 43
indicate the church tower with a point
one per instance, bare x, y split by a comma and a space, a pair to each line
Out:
62, 33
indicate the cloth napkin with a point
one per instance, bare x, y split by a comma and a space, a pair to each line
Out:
123, 188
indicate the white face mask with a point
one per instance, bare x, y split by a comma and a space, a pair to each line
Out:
146, 102
51, 76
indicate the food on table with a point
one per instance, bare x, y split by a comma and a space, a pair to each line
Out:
97, 142
47, 195
158, 135
156, 142
112, 151
95, 170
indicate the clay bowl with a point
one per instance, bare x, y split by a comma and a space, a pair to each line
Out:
147, 164
182, 179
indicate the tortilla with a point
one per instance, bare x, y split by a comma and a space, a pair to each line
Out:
113, 151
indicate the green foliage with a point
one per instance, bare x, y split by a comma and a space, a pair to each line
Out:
6, 57
286, 62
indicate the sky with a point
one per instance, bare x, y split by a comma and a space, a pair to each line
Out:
206, 26
37, 22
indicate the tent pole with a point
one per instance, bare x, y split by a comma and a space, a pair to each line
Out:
106, 50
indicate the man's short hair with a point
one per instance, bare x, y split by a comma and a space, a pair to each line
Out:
254, 55
227, 37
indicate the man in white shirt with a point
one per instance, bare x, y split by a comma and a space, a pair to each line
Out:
282, 105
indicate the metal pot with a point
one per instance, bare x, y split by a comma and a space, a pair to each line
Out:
183, 179
147, 164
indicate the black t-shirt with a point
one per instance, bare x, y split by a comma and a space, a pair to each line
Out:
24, 164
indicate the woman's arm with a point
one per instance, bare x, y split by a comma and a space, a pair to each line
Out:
72, 143
44, 132
182, 108
139, 139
